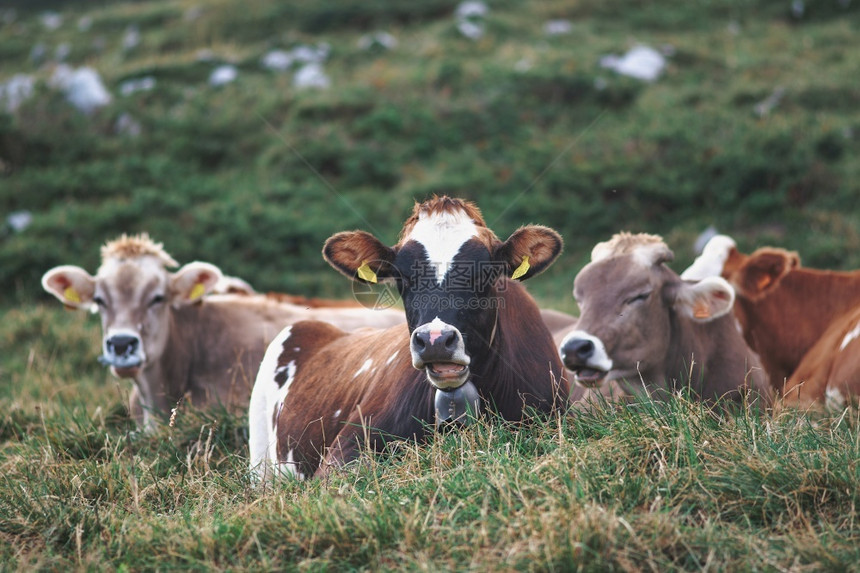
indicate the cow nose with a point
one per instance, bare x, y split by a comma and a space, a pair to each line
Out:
122, 344
578, 349
427, 338
436, 342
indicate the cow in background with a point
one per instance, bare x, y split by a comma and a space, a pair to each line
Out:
164, 330
646, 329
801, 321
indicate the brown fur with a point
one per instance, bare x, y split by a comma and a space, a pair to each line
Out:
394, 401
784, 308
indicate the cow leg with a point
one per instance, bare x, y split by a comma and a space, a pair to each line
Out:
135, 410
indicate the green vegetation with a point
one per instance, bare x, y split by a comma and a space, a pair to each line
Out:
643, 487
254, 175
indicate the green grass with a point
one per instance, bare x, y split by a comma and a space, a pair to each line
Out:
667, 486
255, 175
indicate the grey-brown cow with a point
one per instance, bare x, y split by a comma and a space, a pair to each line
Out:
642, 326
160, 330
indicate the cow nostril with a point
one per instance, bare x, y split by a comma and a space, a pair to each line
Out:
450, 340
582, 349
122, 344
419, 342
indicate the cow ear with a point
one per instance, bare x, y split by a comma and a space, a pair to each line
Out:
705, 300
529, 251
72, 285
191, 282
359, 256
763, 271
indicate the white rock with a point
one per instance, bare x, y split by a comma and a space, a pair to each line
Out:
143, 84
310, 54
377, 40
19, 220
471, 30
557, 27
223, 75
16, 90
51, 20
127, 125
277, 60
62, 51
311, 75
471, 9
641, 62
82, 87
131, 39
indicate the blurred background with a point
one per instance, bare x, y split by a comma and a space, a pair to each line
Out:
245, 133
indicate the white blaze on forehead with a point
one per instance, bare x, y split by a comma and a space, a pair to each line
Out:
710, 263
849, 337
442, 235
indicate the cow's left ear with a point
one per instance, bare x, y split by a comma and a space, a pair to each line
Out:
360, 256
191, 282
529, 251
705, 300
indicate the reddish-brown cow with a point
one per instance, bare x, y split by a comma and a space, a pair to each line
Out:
474, 339
160, 330
791, 316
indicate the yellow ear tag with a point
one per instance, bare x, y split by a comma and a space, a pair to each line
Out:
71, 295
364, 272
198, 291
522, 269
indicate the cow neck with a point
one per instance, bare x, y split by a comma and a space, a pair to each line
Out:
177, 361
521, 356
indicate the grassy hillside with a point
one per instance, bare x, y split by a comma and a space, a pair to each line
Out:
255, 174
753, 127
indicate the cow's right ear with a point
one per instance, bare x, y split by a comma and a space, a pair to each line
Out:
72, 285
763, 271
360, 256
192, 281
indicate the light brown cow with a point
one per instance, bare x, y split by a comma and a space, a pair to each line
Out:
791, 315
160, 330
642, 326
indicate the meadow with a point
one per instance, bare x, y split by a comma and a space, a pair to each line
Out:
752, 127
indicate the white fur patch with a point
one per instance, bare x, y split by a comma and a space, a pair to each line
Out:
599, 360
291, 466
364, 368
442, 235
266, 400
834, 399
393, 356
849, 337
710, 263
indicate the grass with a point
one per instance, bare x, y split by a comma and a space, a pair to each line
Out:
255, 175
646, 486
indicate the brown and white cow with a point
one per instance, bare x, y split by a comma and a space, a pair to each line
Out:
791, 315
474, 339
642, 326
160, 330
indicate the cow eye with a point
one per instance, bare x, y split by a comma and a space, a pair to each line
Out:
638, 298
157, 299
100, 302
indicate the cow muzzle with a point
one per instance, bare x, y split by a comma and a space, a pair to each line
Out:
585, 356
439, 350
123, 352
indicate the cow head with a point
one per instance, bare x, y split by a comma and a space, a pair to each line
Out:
753, 276
133, 292
628, 299
447, 266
